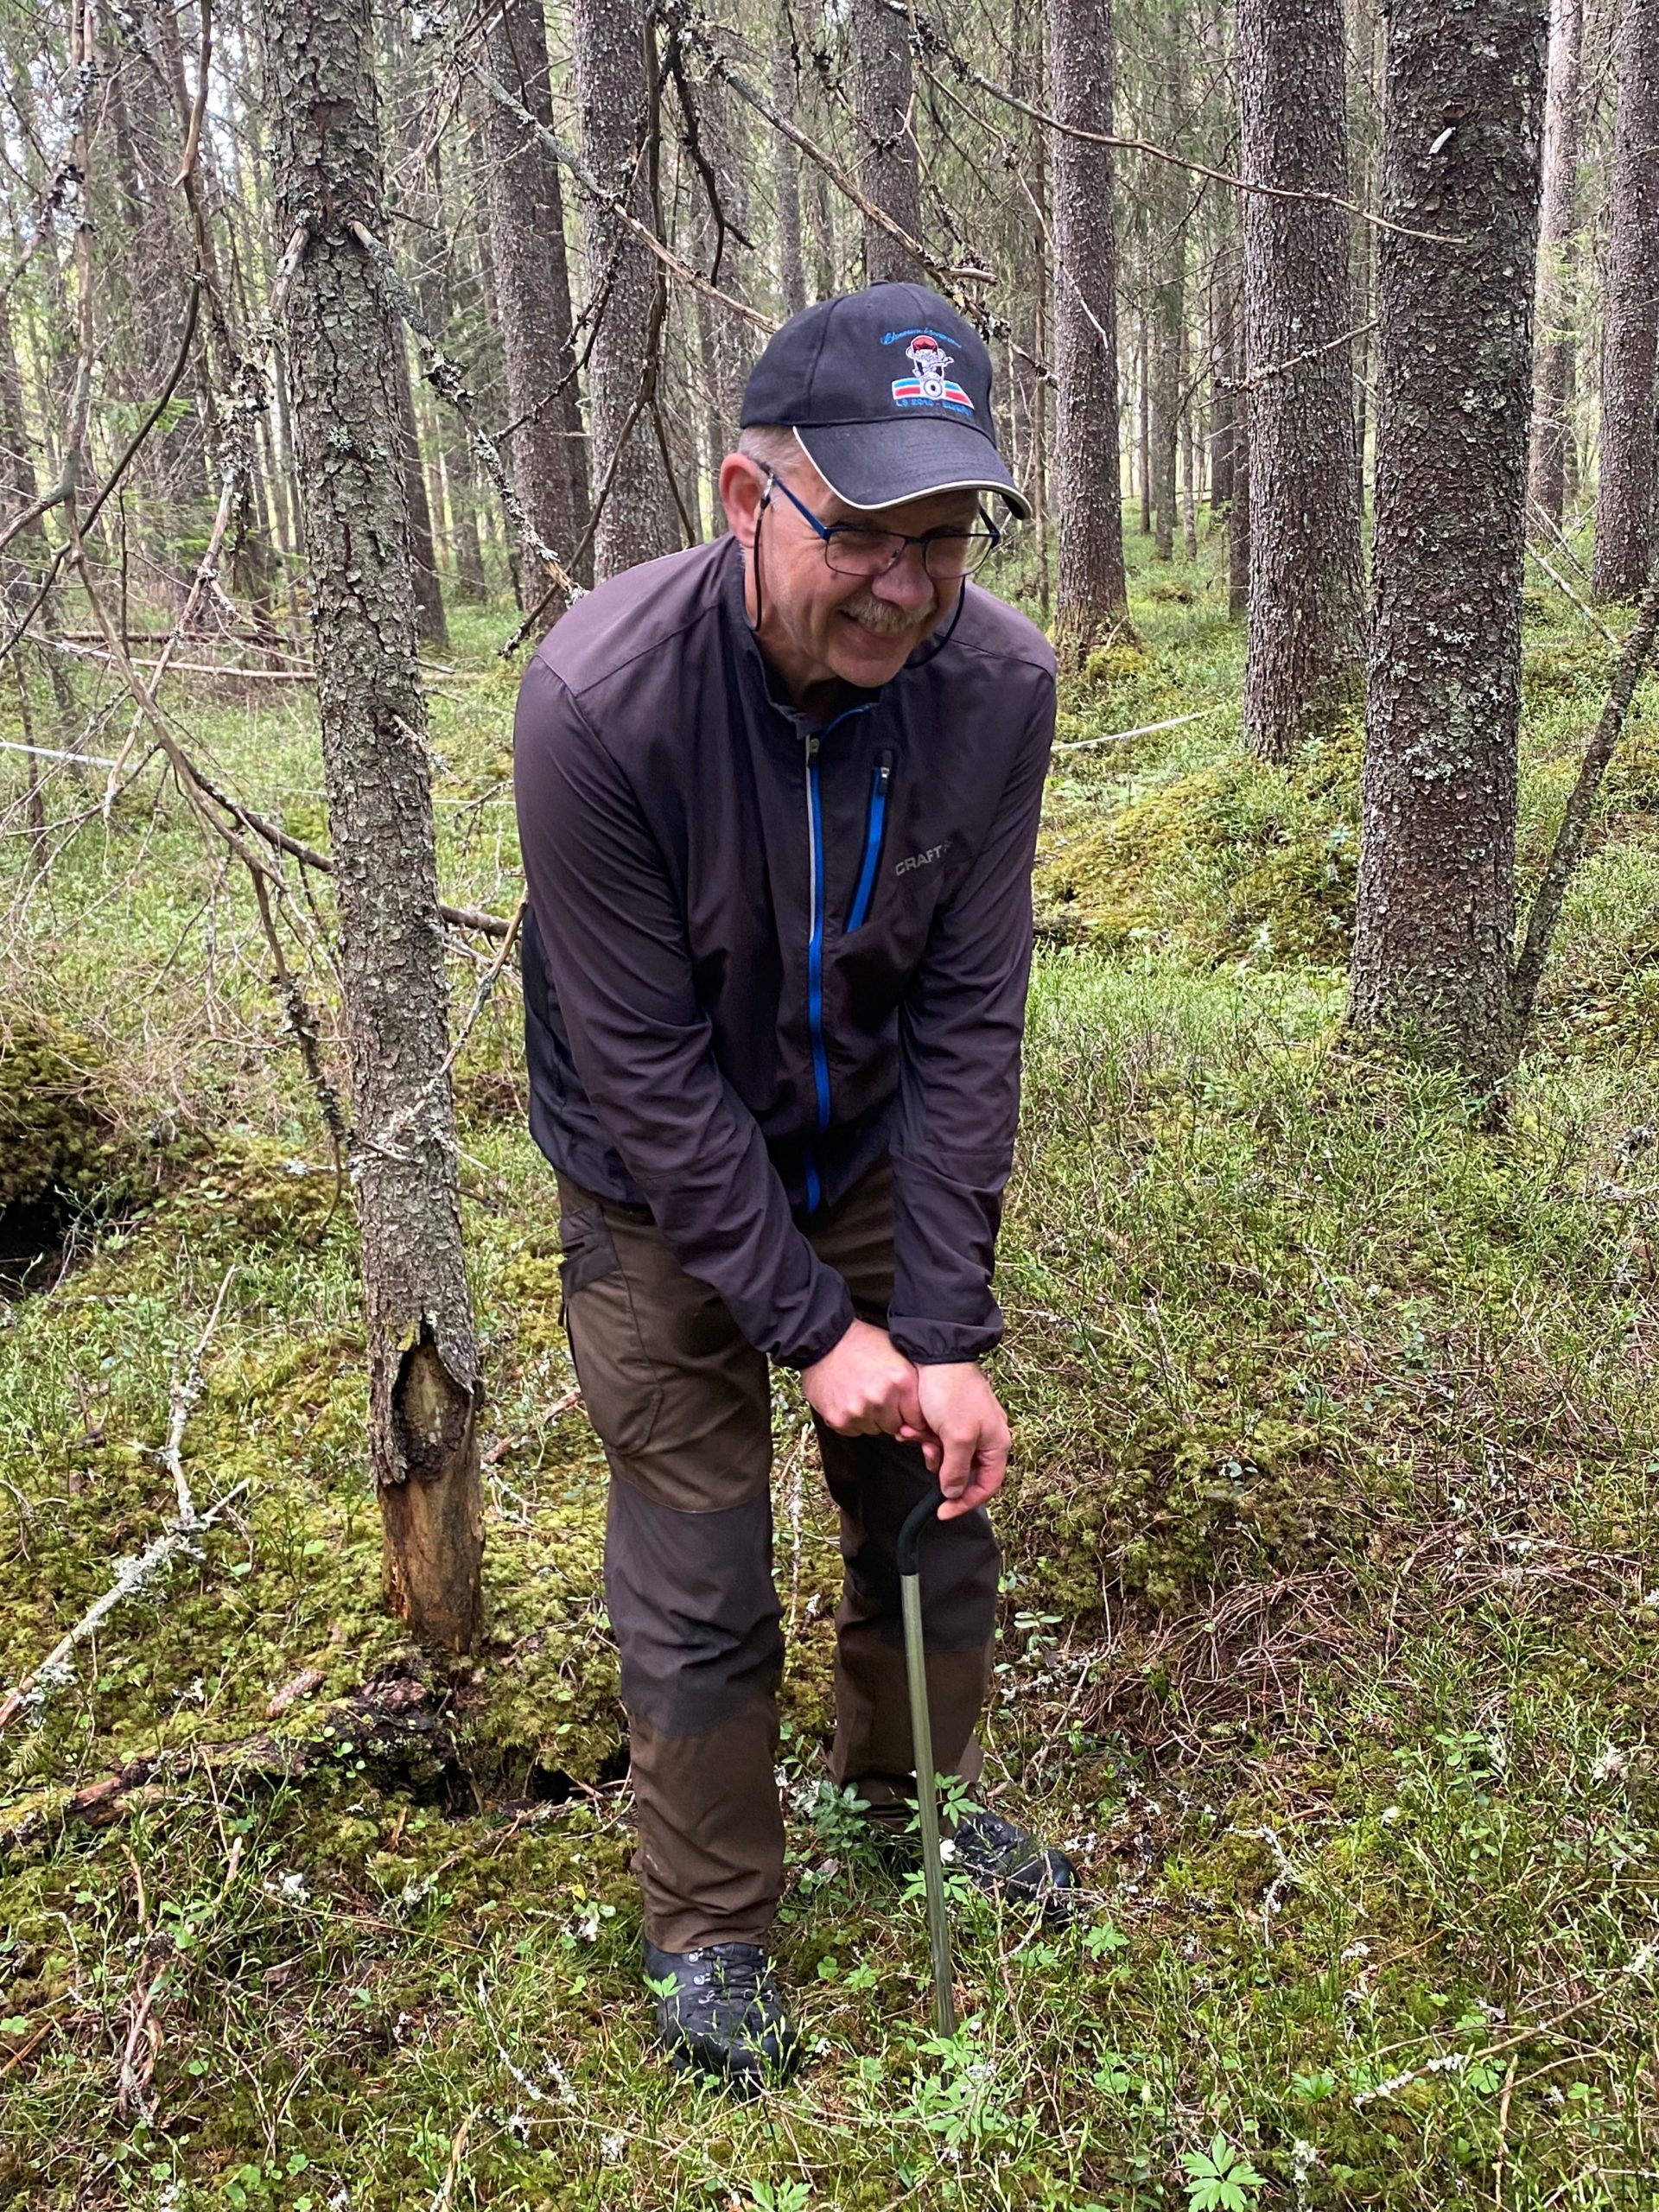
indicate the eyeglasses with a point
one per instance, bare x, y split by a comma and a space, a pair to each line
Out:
851, 550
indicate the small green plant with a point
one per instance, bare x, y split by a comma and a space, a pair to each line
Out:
1221, 2179
779, 2196
838, 1818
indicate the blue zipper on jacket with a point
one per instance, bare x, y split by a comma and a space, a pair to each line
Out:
814, 949
879, 785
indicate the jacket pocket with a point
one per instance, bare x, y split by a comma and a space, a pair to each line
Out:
620, 1387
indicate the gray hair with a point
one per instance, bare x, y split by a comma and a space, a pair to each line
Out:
774, 445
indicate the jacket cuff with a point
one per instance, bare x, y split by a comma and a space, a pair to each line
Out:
942, 1344
826, 1331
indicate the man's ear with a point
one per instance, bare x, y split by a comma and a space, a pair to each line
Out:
742, 488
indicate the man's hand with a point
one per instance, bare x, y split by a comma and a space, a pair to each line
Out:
961, 1409
864, 1386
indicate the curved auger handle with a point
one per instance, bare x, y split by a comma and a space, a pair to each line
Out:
911, 1534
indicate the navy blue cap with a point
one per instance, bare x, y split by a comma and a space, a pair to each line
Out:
889, 392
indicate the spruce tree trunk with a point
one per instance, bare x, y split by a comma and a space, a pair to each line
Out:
1224, 406
429, 621
1170, 299
343, 347
1091, 598
1143, 420
532, 294
1305, 651
1552, 428
639, 520
1171, 208
1629, 348
1238, 516
888, 169
1461, 146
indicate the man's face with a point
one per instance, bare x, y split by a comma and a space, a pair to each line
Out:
817, 625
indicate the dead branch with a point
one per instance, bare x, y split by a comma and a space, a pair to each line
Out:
392, 1723
951, 277
182, 1396
446, 379
614, 207
1575, 822
927, 38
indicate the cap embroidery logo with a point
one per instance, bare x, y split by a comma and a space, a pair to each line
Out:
929, 386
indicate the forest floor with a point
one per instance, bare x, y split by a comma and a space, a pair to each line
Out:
1330, 1645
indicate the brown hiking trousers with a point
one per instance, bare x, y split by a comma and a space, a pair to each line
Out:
682, 1403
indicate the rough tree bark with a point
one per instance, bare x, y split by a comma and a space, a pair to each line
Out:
639, 520
1461, 146
1554, 347
888, 168
1306, 649
532, 288
1624, 497
423, 1370
1091, 598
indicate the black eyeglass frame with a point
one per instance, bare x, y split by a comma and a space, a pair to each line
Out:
828, 531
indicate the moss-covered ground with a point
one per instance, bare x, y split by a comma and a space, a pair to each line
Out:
1330, 1645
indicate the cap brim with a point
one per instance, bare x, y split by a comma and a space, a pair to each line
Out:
875, 465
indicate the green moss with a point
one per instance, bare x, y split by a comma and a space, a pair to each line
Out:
1237, 861
57, 1134
1194, 1507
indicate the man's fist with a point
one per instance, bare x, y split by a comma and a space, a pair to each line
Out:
864, 1386
960, 1410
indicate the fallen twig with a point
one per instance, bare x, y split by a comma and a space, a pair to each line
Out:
1146, 730
133, 1575
392, 1723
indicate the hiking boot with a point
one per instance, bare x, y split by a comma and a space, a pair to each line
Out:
997, 1855
723, 2015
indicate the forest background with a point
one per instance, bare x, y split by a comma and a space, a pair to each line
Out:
341, 345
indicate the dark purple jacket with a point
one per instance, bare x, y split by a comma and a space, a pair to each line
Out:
762, 953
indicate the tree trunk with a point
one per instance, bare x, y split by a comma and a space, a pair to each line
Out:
888, 169
1092, 597
1436, 919
1143, 420
1552, 427
1629, 348
1238, 516
1365, 103
1305, 651
639, 520
725, 341
343, 350
791, 260
1170, 209
1170, 297
1224, 410
19, 488
532, 294
423, 559
460, 497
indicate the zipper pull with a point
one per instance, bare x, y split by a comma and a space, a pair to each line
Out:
811, 748
883, 773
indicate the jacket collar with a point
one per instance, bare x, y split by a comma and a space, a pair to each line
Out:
756, 671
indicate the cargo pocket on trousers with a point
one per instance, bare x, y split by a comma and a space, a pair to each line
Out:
620, 1386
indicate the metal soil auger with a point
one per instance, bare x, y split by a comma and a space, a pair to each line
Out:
921, 1734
